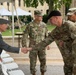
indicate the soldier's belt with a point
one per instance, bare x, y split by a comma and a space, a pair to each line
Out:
33, 42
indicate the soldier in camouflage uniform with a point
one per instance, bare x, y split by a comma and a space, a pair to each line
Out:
37, 31
62, 36
72, 23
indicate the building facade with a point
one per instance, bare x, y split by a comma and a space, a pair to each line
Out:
73, 4
20, 3
44, 8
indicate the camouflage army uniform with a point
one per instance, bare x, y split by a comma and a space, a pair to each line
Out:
72, 29
62, 37
36, 33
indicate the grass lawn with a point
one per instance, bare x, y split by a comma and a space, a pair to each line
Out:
8, 32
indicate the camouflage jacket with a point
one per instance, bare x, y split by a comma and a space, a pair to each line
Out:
35, 32
58, 34
72, 28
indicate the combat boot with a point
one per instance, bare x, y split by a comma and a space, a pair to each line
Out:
34, 74
42, 73
74, 71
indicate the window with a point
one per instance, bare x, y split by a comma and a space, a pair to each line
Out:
41, 10
7, 4
19, 3
47, 11
1, 3
24, 2
29, 10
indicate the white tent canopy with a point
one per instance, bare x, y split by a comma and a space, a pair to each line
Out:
18, 12
21, 12
5, 12
5, 1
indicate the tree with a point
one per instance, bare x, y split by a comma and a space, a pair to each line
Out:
53, 4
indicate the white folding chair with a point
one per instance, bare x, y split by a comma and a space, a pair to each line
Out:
4, 55
5, 72
16, 72
11, 66
3, 52
4, 69
7, 60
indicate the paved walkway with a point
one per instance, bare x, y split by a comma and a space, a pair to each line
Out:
51, 69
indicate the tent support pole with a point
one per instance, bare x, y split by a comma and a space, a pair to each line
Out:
12, 23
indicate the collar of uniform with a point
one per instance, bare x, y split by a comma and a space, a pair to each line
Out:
37, 23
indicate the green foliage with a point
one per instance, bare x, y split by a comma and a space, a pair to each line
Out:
28, 2
34, 3
29, 18
67, 3
42, 2
55, 3
44, 18
47, 1
8, 32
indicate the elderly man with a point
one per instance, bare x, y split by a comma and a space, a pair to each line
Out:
4, 46
62, 36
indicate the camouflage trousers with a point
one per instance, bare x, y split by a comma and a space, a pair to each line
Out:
74, 54
68, 59
33, 59
68, 64
1, 72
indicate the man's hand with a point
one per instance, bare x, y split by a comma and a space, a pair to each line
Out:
25, 50
48, 47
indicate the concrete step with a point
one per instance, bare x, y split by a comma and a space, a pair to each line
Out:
48, 61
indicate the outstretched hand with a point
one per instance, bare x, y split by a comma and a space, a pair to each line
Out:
25, 50
48, 47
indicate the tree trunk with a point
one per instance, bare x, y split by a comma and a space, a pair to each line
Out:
50, 6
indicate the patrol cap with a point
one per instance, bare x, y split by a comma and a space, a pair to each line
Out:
53, 13
4, 21
37, 12
71, 11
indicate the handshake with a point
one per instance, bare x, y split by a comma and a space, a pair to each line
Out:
25, 50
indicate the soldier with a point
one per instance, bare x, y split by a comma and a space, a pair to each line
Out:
72, 15
62, 36
37, 31
72, 22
